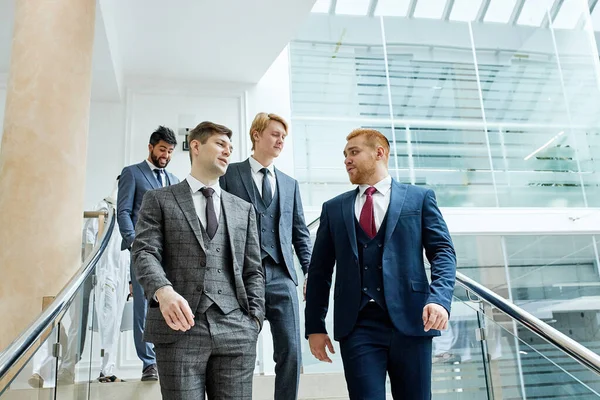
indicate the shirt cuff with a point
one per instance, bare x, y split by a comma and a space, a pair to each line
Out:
154, 297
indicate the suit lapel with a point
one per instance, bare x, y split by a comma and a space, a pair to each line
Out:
183, 195
395, 208
145, 168
281, 183
228, 209
348, 216
246, 176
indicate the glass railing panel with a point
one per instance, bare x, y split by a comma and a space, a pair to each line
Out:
36, 380
523, 366
458, 369
74, 367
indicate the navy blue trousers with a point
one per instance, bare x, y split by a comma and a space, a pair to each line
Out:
374, 348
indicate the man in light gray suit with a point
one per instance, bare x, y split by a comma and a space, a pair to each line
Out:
135, 181
197, 256
276, 199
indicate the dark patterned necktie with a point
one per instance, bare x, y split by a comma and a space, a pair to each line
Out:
211, 215
367, 214
267, 194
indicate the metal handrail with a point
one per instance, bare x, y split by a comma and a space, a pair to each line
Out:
27, 340
575, 350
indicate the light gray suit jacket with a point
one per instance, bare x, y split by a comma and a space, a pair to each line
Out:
169, 250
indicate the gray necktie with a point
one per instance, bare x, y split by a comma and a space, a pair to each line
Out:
211, 215
267, 194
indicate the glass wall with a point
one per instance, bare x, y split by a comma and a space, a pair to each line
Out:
491, 103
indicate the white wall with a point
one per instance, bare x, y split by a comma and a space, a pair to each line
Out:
105, 151
272, 95
146, 111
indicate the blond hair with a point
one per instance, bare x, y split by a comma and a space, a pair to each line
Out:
261, 122
373, 138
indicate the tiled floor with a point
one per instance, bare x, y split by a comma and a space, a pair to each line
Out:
312, 387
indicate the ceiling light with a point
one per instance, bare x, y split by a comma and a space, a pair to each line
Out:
352, 7
392, 8
321, 6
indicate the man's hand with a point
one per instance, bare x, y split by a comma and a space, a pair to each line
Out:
317, 343
175, 309
304, 288
435, 317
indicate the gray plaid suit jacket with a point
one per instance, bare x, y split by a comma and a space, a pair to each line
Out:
169, 250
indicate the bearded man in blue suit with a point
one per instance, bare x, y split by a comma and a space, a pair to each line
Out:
385, 310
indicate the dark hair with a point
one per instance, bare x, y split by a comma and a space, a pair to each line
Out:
163, 133
206, 129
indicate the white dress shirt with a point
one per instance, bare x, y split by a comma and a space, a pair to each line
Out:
381, 200
255, 166
163, 178
200, 201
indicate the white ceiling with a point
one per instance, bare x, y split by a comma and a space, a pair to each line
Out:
184, 40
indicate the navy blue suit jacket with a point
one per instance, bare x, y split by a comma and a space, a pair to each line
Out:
414, 223
134, 182
292, 227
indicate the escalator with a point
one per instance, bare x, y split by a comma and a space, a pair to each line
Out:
493, 349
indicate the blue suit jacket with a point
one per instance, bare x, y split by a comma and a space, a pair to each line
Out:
414, 223
292, 227
134, 182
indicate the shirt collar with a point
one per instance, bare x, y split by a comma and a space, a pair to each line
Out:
383, 186
256, 166
153, 167
196, 185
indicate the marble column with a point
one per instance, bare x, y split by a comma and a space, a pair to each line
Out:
43, 155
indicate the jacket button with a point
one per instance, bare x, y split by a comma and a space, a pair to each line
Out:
379, 245
263, 230
364, 289
379, 267
219, 271
366, 245
220, 291
271, 215
272, 246
272, 230
199, 288
366, 267
206, 291
218, 249
378, 289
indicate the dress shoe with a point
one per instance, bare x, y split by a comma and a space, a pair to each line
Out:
150, 373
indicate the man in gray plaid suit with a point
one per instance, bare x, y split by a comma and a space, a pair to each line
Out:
197, 256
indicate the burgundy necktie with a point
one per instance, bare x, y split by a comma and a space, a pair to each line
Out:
367, 214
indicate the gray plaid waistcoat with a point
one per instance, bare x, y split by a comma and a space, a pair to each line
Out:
219, 283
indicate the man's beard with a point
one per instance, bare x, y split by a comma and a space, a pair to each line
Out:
156, 162
362, 174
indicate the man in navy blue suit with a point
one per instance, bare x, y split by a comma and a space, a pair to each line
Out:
135, 181
385, 310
